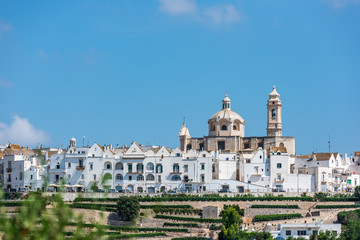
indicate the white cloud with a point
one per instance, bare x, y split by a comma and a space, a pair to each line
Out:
223, 14
4, 83
178, 7
342, 3
4, 27
22, 132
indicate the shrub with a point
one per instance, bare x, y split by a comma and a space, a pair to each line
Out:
236, 207
188, 219
337, 206
169, 224
136, 235
272, 217
128, 208
345, 217
166, 206
275, 206
190, 238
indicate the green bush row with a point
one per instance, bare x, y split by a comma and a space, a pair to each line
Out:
339, 199
337, 206
188, 219
136, 235
272, 217
133, 229
11, 204
170, 224
93, 207
275, 206
165, 206
200, 198
178, 211
190, 238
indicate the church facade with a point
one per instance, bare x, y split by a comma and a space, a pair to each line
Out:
227, 131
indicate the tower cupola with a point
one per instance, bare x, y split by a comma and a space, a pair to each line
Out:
226, 103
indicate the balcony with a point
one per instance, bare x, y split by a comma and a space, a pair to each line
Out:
9, 170
279, 180
175, 172
80, 168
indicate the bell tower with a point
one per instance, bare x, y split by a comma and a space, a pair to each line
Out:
274, 125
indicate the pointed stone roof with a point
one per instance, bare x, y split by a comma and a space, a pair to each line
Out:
274, 93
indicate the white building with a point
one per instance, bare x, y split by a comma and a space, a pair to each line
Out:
304, 230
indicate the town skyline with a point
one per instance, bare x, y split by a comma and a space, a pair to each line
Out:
119, 72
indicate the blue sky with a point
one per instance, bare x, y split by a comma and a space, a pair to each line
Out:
122, 71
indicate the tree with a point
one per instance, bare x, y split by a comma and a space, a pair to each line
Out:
328, 235
35, 221
352, 231
128, 208
230, 216
357, 192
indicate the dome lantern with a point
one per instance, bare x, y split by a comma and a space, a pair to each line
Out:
226, 103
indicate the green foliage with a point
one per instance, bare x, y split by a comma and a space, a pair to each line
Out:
35, 221
189, 238
188, 219
357, 192
337, 206
272, 217
320, 196
231, 217
102, 207
136, 235
352, 231
165, 206
328, 235
128, 208
345, 217
215, 227
170, 224
94, 186
178, 211
12, 195
236, 207
275, 206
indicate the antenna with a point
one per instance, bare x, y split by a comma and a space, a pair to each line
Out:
329, 142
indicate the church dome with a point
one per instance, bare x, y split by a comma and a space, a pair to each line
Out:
228, 115
226, 122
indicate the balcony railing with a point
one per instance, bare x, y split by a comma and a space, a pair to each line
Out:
279, 180
80, 168
9, 170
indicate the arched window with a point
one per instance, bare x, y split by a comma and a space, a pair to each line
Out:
140, 189
119, 177
150, 177
212, 126
150, 166
140, 178
130, 188
234, 127
119, 166
176, 178
107, 166
107, 177
273, 113
189, 147
281, 145
223, 127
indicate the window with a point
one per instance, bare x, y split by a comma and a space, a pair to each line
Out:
70, 151
279, 165
58, 165
94, 177
186, 178
213, 168
260, 145
130, 167
223, 128
140, 178
203, 166
150, 177
248, 160
82, 176
150, 166
159, 178
130, 178
21, 176
82, 152
69, 165
221, 145
288, 232
176, 168
301, 232
69, 176
31, 176
108, 165
119, 166
278, 153
176, 178
91, 166
246, 146
93, 155
81, 163
185, 168
159, 168
273, 113
140, 168
119, 177
202, 177
178, 155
